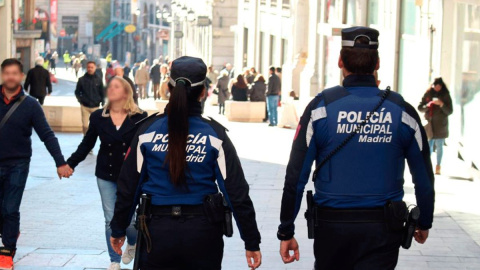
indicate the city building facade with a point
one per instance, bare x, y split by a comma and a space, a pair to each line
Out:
419, 40
205, 29
148, 34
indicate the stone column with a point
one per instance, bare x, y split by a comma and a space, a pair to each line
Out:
6, 30
309, 76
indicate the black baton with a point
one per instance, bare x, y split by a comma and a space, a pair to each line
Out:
141, 215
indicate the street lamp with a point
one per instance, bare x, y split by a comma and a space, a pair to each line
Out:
183, 12
137, 12
158, 14
165, 13
191, 16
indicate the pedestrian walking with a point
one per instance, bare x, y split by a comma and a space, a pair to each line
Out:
240, 89
231, 71
222, 91
38, 83
259, 89
437, 106
83, 61
273, 96
108, 58
212, 75
360, 137
127, 69
156, 77
164, 93
77, 65
141, 79
53, 62
183, 154
89, 93
109, 73
67, 60
115, 125
119, 72
19, 114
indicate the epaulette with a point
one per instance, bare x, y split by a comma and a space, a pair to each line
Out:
148, 118
216, 122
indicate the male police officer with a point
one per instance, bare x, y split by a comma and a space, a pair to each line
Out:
359, 178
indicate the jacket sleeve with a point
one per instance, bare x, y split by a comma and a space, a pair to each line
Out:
27, 81
447, 107
299, 166
87, 144
234, 186
423, 103
49, 83
128, 183
46, 135
79, 90
420, 164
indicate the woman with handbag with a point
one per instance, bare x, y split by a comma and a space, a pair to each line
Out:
437, 106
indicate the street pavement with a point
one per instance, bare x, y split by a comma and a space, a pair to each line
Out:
62, 226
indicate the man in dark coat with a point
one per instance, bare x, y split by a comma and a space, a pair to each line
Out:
156, 77
38, 79
89, 93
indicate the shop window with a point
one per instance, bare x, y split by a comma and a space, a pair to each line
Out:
409, 17
151, 13
272, 50
373, 12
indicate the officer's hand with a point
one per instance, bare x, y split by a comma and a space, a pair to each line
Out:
286, 247
117, 244
254, 259
421, 236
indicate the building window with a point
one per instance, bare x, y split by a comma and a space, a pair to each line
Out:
151, 13
261, 50
284, 51
409, 17
272, 51
273, 3
128, 12
286, 3
263, 2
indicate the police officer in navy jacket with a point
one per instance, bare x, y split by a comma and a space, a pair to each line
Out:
179, 158
354, 186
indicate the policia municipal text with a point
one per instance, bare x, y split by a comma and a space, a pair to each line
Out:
178, 159
359, 137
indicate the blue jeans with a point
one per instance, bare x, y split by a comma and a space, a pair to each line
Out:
12, 184
272, 105
108, 193
438, 143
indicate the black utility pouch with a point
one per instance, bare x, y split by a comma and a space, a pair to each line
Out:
214, 208
396, 214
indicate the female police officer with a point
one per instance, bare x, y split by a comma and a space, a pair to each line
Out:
176, 158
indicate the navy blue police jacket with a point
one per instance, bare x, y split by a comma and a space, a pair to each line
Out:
369, 171
213, 164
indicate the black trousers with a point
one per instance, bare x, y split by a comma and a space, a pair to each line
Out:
183, 243
355, 246
40, 99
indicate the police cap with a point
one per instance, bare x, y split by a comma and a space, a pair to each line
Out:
350, 35
189, 69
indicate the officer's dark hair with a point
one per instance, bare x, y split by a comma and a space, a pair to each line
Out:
178, 110
359, 60
12, 62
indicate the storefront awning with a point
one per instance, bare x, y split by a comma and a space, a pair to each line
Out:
105, 31
119, 29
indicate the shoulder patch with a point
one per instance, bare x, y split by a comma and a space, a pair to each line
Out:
210, 119
148, 118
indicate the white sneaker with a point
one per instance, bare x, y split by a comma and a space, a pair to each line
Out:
129, 254
114, 266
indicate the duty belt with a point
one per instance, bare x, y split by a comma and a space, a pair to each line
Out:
177, 210
374, 215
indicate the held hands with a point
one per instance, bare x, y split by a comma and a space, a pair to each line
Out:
117, 244
421, 236
286, 247
64, 171
254, 259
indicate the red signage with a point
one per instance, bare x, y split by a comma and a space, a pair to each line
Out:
63, 33
53, 11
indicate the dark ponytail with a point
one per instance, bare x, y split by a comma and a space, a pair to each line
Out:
178, 133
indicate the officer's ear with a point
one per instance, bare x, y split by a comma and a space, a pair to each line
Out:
340, 62
377, 67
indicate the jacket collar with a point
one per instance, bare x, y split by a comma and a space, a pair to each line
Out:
194, 107
360, 80
2, 96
